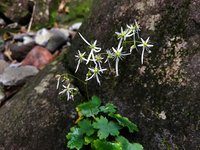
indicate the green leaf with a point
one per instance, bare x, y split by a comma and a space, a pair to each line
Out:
135, 146
109, 108
104, 145
76, 139
105, 128
89, 108
89, 139
86, 127
126, 145
125, 122
123, 141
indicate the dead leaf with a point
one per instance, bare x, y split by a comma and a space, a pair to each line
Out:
62, 7
8, 53
7, 36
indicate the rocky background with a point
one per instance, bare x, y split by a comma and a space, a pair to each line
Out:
161, 96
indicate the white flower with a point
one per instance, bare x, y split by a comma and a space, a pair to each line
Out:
145, 46
118, 55
99, 59
93, 48
162, 115
109, 56
137, 28
96, 73
58, 80
69, 90
131, 28
80, 57
123, 35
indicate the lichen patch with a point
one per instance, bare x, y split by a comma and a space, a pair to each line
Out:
140, 6
152, 21
172, 59
43, 84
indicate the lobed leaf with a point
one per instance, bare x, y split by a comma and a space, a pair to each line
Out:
108, 108
126, 145
106, 128
89, 139
104, 145
76, 139
86, 127
125, 122
89, 108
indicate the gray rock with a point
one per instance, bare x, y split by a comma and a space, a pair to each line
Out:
13, 76
75, 26
2, 96
20, 37
58, 39
164, 100
3, 65
42, 37
52, 39
20, 50
2, 22
2, 44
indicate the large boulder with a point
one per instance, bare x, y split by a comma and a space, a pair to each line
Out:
35, 118
163, 95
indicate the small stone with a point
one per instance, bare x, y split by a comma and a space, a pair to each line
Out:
38, 57
75, 26
58, 39
2, 44
42, 37
2, 96
3, 65
19, 52
13, 76
2, 22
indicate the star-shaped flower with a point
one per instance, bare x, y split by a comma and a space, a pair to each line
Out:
145, 46
123, 35
96, 73
80, 57
99, 59
137, 28
117, 54
93, 49
69, 90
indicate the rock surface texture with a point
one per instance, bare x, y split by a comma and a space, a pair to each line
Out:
35, 118
21, 10
162, 96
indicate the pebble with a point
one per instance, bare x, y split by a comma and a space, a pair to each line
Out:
42, 37
19, 51
38, 57
75, 26
13, 76
3, 65
58, 39
2, 95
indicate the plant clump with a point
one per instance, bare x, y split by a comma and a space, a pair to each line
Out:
99, 127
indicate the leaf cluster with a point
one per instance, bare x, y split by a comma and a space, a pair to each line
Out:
98, 127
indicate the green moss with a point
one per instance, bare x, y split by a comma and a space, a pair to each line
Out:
3, 6
78, 10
